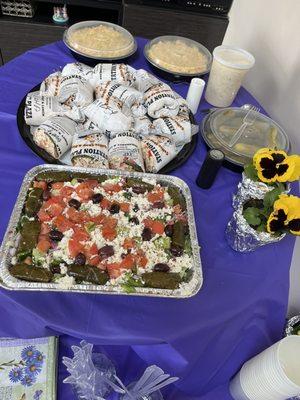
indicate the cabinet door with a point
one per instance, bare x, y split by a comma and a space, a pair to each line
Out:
151, 22
17, 37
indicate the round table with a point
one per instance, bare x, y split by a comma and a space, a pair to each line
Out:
203, 340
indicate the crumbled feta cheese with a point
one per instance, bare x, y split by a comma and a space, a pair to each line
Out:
66, 282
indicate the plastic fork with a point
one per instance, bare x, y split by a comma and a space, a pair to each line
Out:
248, 120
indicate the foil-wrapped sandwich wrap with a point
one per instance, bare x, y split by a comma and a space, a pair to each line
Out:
242, 237
120, 73
130, 97
143, 126
157, 152
74, 89
108, 117
51, 85
39, 108
160, 101
124, 152
55, 135
176, 128
90, 149
114, 100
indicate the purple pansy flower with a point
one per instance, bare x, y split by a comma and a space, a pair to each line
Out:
16, 374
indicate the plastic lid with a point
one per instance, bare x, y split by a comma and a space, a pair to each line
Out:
219, 127
99, 39
178, 55
234, 57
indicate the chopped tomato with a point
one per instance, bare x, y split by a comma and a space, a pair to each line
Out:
80, 234
113, 270
43, 215
62, 223
45, 228
125, 207
43, 245
128, 262
66, 191
57, 185
55, 209
109, 233
84, 191
75, 247
105, 203
153, 197
41, 184
110, 222
54, 200
98, 219
158, 227
91, 253
148, 222
76, 216
141, 259
129, 243
92, 183
112, 187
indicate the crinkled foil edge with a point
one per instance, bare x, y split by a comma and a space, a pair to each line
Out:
290, 325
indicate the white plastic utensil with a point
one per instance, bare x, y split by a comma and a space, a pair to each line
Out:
248, 120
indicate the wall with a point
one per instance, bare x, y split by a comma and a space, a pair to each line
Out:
270, 30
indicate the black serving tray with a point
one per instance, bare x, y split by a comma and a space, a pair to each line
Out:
25, 133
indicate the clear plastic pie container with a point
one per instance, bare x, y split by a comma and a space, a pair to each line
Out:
178, 55
100, 40
220, 125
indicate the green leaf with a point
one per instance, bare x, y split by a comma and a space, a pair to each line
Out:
252, 216
131, 283
250, 172
271, 197
127, 195
281, 186
261, 228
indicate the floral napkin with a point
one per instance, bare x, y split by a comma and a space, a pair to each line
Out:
28, 369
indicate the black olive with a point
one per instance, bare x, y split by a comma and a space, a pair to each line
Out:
46, 194
55, 268
123, 255
75, 204
106, 251
97, 198
134, 220
136, 208
176, 251
158, 204
139, 189
114, 208
161, 267
169, 230
147, 234
80, 259
56, 235
128, 251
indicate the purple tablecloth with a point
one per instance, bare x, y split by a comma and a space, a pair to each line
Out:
205, 339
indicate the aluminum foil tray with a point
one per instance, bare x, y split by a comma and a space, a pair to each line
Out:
7, 281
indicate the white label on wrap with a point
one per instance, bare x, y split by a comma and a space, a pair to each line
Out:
92, 146
108, 118
77, 68
125, 94
51, 85
39, 108
160, 101
75, 89
125, 149
60, 130
177, 128
157, 151
111, 72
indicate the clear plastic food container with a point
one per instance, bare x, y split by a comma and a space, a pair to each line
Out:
100, 40
178, 55
219, 127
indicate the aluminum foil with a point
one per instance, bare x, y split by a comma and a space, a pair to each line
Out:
290, 325
9, 282
241, 237
249, 189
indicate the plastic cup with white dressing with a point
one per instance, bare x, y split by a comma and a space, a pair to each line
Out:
229, 67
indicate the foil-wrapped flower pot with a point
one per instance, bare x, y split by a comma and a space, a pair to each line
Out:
293, 326
242, 237
249, 189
